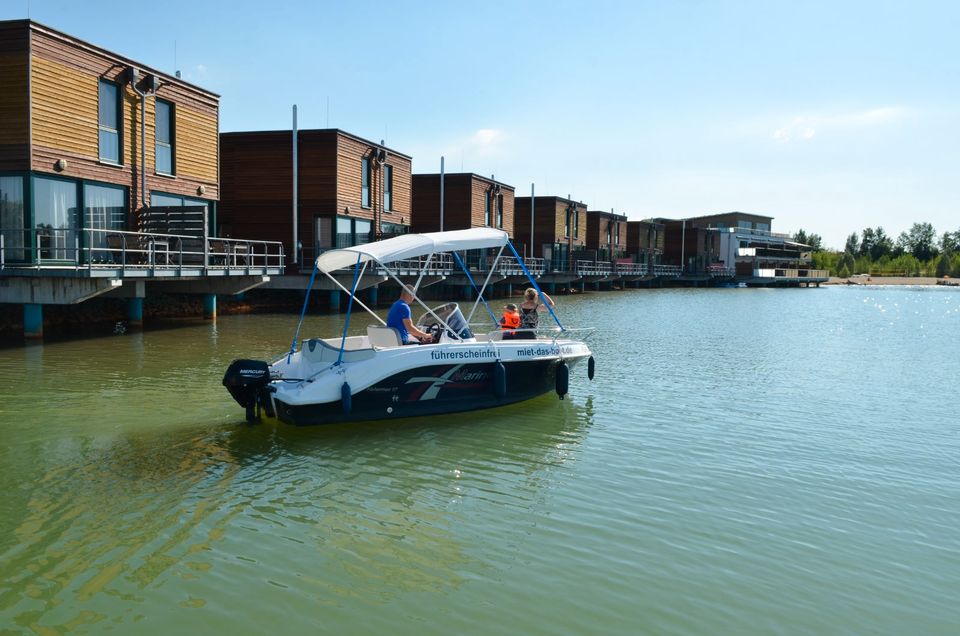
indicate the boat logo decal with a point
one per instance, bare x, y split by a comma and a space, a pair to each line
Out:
454, 375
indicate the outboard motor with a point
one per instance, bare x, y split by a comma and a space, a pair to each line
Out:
246, 381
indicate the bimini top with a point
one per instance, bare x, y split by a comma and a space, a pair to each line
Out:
412, 246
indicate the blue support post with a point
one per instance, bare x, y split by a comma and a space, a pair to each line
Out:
210, 306
32, 321
334, 300
135, 312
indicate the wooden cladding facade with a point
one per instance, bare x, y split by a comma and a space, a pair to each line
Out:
466, 197
607, 233
14, 96
49, 108
257, 192
550, 225
645, 239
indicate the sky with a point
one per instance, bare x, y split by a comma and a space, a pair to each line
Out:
828, 116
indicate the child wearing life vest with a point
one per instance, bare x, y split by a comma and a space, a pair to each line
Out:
511, 317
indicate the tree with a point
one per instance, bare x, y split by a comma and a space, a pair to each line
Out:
867, 242
945, 264
882, 244
921, 241
949, 242
853, 244
813, 240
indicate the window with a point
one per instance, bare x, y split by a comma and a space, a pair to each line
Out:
394, 229
576, 223
387, 187
365, 182
55, 217
109, 122
165, 132
487, 203
12, 223
617, 233
609, 234
500, 211
104, 208
352, 232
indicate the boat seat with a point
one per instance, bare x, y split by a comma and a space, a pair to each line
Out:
316, 350
381, 337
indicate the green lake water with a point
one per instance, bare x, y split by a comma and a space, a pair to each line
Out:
746, 461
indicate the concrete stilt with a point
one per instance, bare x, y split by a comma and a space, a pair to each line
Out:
32, 321
583, 287
467, 291
334, 300
373, 295
210, 306
509, 290
135, 313
551, 288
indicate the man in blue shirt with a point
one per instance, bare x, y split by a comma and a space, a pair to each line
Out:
401, 319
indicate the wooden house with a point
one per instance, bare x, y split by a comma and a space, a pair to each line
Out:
559, 229
349, 190
469, 200
607, 235
89, 137
646, 241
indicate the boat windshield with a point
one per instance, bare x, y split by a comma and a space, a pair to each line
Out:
449, 313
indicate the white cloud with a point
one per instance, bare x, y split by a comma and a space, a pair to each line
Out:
806, 127
485, 142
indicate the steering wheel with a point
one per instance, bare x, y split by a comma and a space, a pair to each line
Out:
435, 330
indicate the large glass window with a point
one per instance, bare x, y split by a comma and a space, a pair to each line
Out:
500, 211
12, 225
576, 223
104, 208
365, 182
344, 232
362, 231
390, 230
352, 232
486, 207
165, 132
387, 187
109, 122
56, 218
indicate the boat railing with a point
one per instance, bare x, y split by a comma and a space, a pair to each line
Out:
97, 248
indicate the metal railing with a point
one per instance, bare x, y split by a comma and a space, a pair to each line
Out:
791, 273
92, 248
721, 271
632, 269
594, 268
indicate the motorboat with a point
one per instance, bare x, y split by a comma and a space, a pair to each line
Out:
375, 376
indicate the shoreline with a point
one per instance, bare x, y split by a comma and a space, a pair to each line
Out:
893, 280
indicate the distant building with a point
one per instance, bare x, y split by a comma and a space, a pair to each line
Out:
350, 190
469, 200
559, 230
740, 245
71, 143
607, 235
646, 241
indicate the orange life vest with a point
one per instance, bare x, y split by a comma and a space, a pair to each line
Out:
510, 320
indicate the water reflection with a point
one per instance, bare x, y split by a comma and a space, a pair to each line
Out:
381, 507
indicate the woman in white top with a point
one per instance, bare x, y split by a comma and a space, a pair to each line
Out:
529, 308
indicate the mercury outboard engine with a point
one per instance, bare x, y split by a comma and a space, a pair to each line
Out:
247, 382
